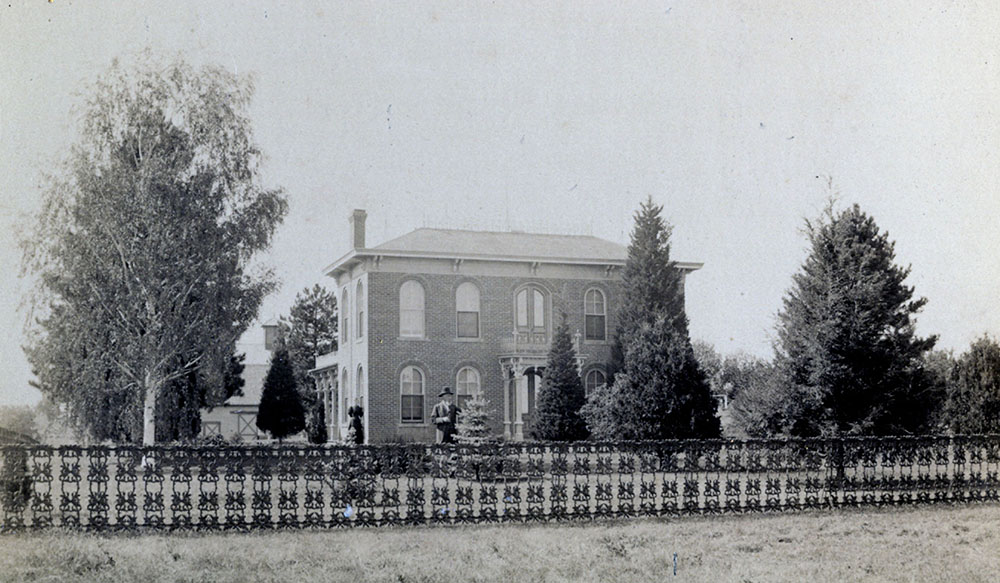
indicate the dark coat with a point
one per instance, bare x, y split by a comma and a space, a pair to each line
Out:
444, 415
357, 413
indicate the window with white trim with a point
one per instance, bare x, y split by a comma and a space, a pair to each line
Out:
345, 317
345, 400
411, 395
467, 310
595, 315
467, 385
530, 310
359, 308
411, 309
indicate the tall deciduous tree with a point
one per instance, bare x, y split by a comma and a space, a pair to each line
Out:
280, 413
847, 350
144, 242
557, 417
974, 390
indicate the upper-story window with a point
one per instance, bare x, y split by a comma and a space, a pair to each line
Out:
466, 385
467, 310
270, 337
411, 395
530, 315
411, 309
345, 317
359, 306
595, 315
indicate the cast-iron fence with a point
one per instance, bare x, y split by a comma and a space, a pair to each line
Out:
247, 487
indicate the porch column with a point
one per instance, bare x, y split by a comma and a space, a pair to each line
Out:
505, 371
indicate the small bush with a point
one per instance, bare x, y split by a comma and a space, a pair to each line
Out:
15, 479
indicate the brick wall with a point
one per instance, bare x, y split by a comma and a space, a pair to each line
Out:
440, 354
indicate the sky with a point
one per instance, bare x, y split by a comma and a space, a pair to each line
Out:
740, 118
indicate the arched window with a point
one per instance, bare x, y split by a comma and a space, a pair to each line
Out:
359, 306
466, 385
467, 308
345, 317
359, 386
530, 310
411, 309
411, 391
595, 379
345, 400
595, 315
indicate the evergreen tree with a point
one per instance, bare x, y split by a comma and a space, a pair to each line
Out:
661, 393
178, 416
974, 403
850, 360
309, 331
281, 413
652, 286
557, 417
662, 383
473, 421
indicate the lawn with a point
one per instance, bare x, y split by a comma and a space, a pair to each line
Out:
942, 543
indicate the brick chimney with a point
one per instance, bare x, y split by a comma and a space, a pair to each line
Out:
357, 223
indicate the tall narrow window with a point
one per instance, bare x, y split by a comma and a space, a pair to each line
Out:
594, 380
530, 308
466, 385
411, 309
345, 400
595, 315
359, 306
359, 393
411, 391
467, 308
345, 317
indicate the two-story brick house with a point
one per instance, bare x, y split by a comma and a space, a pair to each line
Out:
470, 310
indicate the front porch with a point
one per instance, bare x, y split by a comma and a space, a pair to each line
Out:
523, 359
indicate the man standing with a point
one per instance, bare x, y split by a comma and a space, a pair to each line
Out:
444, 415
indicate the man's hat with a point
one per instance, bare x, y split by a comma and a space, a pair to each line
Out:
444, 391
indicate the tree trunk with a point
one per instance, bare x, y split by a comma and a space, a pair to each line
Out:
149, 412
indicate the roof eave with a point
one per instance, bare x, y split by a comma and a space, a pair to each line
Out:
354, 256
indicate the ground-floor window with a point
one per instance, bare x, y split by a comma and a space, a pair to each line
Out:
246, 425
210, 428
411, 391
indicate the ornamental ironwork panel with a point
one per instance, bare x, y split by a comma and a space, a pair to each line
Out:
294, 486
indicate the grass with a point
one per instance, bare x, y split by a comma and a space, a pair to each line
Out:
960, 544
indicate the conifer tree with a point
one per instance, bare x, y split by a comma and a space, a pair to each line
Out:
847, 350
974, 403
661, 393
281, 413
652, 286
658, 390
557, 417
473, 420
310, 331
